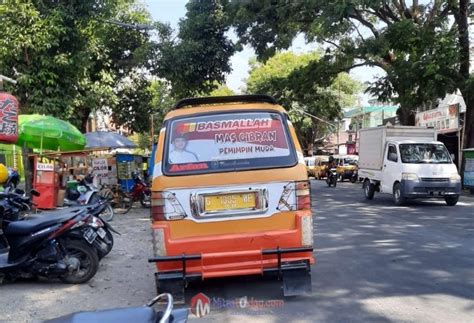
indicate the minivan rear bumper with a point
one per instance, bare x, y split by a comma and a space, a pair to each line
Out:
423, 189
244, 253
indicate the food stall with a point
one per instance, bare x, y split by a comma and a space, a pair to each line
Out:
54, 172
126, 165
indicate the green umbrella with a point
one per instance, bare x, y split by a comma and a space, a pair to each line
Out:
45, 132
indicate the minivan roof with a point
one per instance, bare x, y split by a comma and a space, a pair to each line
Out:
224, 107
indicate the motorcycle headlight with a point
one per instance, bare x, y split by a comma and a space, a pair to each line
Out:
455, 178
410, 177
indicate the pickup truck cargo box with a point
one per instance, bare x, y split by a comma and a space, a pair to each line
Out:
372, 142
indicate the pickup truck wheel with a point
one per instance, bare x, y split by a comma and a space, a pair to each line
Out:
451, 200
369, 190
398, 197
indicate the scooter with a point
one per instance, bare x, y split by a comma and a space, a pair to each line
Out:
104, 241
87, 194
331, 178
355, 176
48, 246
132, 314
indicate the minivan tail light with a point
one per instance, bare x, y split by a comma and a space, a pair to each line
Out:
295, 196
307, 230
303, 195
159, 245
165, 206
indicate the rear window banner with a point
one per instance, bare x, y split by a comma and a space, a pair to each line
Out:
227, 137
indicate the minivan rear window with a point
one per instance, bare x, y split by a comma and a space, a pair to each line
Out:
227, 142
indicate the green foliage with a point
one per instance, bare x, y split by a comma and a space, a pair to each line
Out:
198, 59
415, 45
222, 90
67, 59
143, 142
281, 77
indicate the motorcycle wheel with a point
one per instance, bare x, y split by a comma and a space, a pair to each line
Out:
145, 199
85, 260
334, 181
108, 213
328, 181
124, 203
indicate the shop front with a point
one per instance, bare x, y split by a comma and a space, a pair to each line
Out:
54, 173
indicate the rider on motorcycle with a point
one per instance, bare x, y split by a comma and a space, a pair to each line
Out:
331, 165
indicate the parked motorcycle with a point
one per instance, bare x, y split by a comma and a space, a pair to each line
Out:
132, 314
87, 194
48, 246
19, 203
105, 240
13, 179
331, 178
140, 192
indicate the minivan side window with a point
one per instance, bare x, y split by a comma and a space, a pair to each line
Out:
392, 154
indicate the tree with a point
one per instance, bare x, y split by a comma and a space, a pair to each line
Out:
222, 90
67, 57
276, 77
423, 48
198, 59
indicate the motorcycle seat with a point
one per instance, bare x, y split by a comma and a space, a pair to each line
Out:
38, 222
133, 314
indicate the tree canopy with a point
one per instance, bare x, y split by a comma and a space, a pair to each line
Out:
69, 58
276, 77
423, 48
197, 60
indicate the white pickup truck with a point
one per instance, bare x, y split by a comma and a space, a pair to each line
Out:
407, 162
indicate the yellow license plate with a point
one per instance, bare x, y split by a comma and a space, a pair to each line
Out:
225, 202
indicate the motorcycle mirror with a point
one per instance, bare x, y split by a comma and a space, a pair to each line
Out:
35, 193
19, 191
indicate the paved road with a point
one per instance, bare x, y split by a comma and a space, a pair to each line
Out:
378, 262
375, 262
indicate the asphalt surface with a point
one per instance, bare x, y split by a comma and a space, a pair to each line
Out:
375, 263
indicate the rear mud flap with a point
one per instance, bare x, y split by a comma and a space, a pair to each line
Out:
296, 281
173, 285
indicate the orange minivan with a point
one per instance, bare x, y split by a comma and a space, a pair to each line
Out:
230, 195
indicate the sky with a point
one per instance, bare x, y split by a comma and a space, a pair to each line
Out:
171, 11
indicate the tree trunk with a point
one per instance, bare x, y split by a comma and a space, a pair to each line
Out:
462, 20
84, 117
406, 116
468, 141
